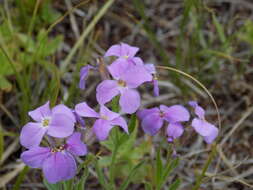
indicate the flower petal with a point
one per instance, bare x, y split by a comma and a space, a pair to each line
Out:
75, 145
199, 111
174, 130
83, 75
129, 101
143, 113
118, 68
35, 156
209, 139
205, 129
104, 111
102, 129
136, 61
127, 50
120, 121
41, 112
59, 166
155, 87
176, 113
152, 123
106, 90
140, 74
32, 134
114, 50
84, 110
61, 126
62, 109
150, 68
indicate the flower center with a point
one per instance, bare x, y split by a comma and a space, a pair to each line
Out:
162, 114
45, 122
121, 83
126, 56
104, 117
58, 149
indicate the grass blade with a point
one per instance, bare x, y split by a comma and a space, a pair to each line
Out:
130, 176
85, 33
175, 185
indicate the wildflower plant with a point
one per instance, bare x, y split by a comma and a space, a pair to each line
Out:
56, 138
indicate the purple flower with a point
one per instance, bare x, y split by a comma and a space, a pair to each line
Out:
58, 122
58, 164
106, 120
127, 76
153, 119
151, 69
201, 126
84, 75
122, 50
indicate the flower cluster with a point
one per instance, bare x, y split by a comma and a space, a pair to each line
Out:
60, 125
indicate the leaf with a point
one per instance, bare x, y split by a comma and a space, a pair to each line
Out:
170, 166
131, 175
1, 143
159, 169
101, 177
219, 29
148, 186
49, 186
20, 178
82, 181
5, 84
175, 185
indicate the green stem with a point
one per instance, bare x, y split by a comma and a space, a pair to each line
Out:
208, 162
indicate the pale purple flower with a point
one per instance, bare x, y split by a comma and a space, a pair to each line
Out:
84, 75
153, 119
106, 120
56, 122
58, 164
201, 126
122, 50
127, 77
151, 69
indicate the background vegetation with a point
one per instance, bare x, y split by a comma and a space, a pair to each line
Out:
44, 43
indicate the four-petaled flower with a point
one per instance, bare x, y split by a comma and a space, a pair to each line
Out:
58, 122
127, 76
106, 120
201, 126
153, 119
58, 164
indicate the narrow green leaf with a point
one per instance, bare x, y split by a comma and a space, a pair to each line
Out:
131, 176
175, 185
82, 181
132, 123
148, 186
170, 166
68, 185
49, 186
159, 169
20, 178
101, 177
1, 143
219, 29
